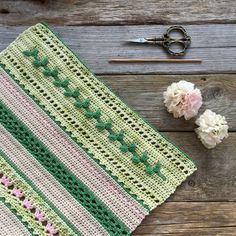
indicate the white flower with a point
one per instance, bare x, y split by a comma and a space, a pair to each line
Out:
182, 99
212, 128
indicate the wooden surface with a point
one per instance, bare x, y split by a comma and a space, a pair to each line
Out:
205, 205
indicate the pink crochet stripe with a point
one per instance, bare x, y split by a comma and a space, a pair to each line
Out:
125, 207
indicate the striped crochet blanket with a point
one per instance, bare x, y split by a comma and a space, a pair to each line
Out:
74, 158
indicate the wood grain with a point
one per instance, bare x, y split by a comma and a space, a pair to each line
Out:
215, 45
106, 12
194, 218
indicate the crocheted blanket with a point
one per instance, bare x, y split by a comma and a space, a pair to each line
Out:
74, 158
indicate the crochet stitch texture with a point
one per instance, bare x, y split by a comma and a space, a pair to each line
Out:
74, 158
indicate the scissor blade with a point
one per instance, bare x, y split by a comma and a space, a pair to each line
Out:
139, 40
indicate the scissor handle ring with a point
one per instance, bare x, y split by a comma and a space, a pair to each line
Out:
168, 44
177, 28
184, 42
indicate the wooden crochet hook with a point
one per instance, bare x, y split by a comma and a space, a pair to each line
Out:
170, 60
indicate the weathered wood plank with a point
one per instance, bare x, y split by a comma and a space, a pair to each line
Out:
224, 231
210, 35
215, 179
145, 95
75, 12
194, 218
179, 231
214, 44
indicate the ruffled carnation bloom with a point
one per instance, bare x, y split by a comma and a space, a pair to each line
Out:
182, 99
212, 128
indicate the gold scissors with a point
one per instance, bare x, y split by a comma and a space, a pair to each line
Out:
174, 46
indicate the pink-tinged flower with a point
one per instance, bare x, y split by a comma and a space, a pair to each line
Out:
212, 128
17, 192
6, 181
27, 204
182, 99
39, 215
51, 229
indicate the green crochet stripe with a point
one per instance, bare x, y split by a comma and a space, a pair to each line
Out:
21, 175
127, 190
85, 104
72, 184
14, 212
148, 123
